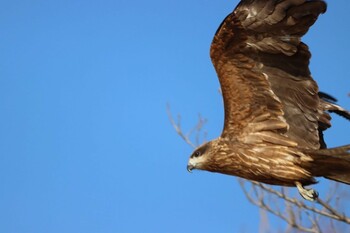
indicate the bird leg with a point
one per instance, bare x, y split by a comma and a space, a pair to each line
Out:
308, 194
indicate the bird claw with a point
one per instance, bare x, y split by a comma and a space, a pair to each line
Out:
307, 194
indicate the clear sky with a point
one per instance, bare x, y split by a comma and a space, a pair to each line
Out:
85, 141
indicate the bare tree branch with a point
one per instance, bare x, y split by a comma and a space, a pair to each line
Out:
186, 137
328, 212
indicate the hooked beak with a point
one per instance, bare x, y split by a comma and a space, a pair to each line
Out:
190, 168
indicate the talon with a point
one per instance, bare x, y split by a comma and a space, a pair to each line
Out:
307, 194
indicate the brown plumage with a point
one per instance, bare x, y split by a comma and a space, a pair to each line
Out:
274, 113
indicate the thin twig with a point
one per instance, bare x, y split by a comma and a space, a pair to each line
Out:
177, 127
334, 214
261, 204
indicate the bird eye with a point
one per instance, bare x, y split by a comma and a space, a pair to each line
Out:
197, 153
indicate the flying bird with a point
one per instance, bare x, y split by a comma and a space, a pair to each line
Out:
274, 113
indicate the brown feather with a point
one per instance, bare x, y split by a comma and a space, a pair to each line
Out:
332, 163
274, 113
263, 67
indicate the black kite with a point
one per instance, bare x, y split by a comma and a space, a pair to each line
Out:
274, 112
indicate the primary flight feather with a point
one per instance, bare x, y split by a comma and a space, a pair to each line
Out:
274, 113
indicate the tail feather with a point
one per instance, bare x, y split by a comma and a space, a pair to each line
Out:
332, 107
341, 112
333, 164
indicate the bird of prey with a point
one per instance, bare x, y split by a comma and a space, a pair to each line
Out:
274, 113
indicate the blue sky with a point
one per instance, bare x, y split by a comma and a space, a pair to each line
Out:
85, 141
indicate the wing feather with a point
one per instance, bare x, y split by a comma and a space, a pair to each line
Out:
262, 65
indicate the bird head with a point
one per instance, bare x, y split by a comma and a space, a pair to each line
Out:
199, 157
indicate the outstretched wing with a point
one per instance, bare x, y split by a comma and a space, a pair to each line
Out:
269, 95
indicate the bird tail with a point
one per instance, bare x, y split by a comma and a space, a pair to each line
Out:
333, 164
